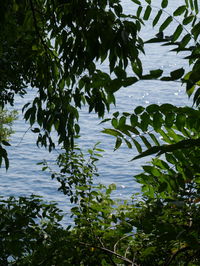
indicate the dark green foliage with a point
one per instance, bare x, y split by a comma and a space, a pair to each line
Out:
6, 120
29, 231
75, 171
56, 47
151, 232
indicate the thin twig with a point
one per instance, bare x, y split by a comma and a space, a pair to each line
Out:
115, 246
47, 49
110, 252
36, 26
177, 21
23, 136
174, 255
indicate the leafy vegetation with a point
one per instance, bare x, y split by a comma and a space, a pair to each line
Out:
6, 120
57, 47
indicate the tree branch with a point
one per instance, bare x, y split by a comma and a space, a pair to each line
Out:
110, 252
36, 26
38, 32
174, 255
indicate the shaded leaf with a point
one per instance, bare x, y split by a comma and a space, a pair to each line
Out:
177, 74
164, 3
157, 17
118, 143
152, 150
177, 32
179, 11
166, 23
147, 12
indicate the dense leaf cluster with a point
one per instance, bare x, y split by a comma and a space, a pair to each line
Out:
57, 48
6, 120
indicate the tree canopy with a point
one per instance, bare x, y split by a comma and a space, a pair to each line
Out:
57, 47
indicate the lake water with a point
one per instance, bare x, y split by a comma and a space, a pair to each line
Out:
25, 177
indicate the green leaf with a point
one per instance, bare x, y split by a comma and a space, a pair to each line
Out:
180, 121
147, 12
126, 114
118, 143
34, 47
152, 170
139, 10
183, 144
122, 122
112, 132
188, 20
177, 74
155, 140
112, 186
171, 158
114, 122
179, 11
129, 81
120, 73
164, 136
165, 24
134, 120
136, 2
157, 17
116, 114
35, 130
195, 31
151, 151
152, 108
156, 73
191, 4
145, 121
139, 109
169, 119
177, 32
164, 3
77, 128
137, 68
157, 121
146, 142
137, 145
118, 10
4, 142
196, 96
4, 155
187, 4
105, 120
185, 40
196, 7
129, 145
173, 135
